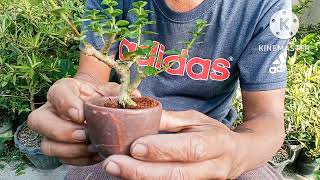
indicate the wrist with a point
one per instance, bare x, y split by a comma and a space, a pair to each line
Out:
239, 152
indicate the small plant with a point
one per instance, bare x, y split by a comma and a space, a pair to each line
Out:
307, 49
105, 23
302, 6
302, 107
33, 52
316, 174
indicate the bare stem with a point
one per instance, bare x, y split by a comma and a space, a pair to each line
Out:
108, 45
68, 21
12, 96
139, 77
91, 51
31, 101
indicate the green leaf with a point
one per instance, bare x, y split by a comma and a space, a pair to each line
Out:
122, 23
148, 43
92, 12
134, 11
172, 52
143, 51
59, 11
129, 55
150, 71
34, 2
132, 34
151, 22
149, 33
45, 77
116, 12
139, 4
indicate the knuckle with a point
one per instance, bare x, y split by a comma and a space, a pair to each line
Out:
52, 90
33, 119
139, 173
46, 147
55, 134
196, 148
178, 173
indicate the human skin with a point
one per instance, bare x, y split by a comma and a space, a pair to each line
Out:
202, 148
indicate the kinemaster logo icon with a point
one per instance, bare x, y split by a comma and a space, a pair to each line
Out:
284, 24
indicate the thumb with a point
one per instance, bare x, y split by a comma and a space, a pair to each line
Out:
67, 95
177, 121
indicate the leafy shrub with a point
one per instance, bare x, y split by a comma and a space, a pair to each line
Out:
307, 49
302, 106
35, 51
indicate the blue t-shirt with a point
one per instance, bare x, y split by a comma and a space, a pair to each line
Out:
238, 46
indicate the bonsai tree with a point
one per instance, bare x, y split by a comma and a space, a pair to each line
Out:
106, 24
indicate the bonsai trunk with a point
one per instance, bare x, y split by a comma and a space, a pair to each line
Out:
124, 96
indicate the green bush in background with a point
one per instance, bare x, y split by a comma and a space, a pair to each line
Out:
35, 51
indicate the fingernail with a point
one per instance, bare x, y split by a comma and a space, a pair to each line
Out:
113, 169
79, 135
139, 150
74, 114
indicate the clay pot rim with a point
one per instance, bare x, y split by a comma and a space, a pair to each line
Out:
91, 103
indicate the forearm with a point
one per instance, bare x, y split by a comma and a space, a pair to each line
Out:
259, 139
93, 70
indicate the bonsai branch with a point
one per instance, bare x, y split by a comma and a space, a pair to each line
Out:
68, 21
91, 51
108, 45
135, 84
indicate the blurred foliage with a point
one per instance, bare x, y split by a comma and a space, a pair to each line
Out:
306, 49
35, 50
302, 106
301, 6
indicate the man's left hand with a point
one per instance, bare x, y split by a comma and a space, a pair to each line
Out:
200, 148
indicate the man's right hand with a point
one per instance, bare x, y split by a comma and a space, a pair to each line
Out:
61, 120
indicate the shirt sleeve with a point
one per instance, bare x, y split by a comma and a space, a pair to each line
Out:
262, 65
92, 38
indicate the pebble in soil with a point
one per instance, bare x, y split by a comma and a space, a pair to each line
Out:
282, 155
29, 138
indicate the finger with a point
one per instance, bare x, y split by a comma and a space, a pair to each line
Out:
46, 122
65, 150
65, 95
129, 168
184, 147
85, 161
176, 121
113, 89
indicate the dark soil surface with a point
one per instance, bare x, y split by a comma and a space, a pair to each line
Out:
29, 138
282, 155
142, 103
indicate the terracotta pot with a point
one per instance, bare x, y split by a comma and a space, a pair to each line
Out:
112, 130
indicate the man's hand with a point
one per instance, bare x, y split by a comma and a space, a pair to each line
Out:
61, 120
201, 148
